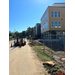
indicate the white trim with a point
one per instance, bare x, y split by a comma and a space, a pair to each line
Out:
57, 24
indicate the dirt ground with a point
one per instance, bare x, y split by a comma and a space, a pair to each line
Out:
56, 53
24, 61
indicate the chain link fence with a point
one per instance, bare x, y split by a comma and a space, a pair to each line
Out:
54, 47
55, 42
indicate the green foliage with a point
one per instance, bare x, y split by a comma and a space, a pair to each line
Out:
22, 34
14, 35
10, 39
43, 55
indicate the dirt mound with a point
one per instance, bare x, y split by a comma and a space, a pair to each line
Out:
35, 42
58, 72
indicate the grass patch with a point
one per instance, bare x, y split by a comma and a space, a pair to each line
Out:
40, 46
11, 40
45, 57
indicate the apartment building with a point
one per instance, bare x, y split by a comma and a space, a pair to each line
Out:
53, 21
37, 30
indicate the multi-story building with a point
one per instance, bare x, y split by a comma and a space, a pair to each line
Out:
37, 30
53, 20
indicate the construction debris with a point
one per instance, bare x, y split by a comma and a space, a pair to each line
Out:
50, 63
63, 59
58, 72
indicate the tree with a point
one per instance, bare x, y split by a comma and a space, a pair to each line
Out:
20, 35
32, 29
13, 35
17, 34
9, 33
28, 30
23, 34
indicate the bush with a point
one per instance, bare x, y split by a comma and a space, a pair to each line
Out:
34, 38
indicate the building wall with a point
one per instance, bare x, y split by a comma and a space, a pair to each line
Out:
37, 30
45, 21
53, 34
49, 19
62, 18
34, 31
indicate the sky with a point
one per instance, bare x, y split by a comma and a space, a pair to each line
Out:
26, 13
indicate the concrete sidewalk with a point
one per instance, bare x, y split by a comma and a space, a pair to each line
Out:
23, 61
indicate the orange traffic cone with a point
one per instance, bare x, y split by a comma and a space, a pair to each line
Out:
11, 44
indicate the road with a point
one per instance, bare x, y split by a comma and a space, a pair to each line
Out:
23, 61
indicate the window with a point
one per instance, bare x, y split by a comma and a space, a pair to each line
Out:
59, 24
51, 13
43, 27
46, 25
52, 24
59, 13
46, 16
55, 24
55, 13
42, 21
63, 32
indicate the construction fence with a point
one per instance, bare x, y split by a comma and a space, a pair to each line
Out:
54, 42
53, 47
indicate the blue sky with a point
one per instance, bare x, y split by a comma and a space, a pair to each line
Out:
25, 13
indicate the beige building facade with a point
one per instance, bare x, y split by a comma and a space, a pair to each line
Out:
53, 20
